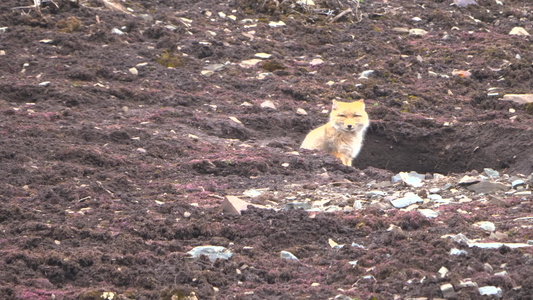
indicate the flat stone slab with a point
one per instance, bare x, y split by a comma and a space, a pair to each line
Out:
519, 98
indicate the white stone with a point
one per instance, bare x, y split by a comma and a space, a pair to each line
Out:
428, 213
490, 291
263, 55
417, 32
485, 225
117, 31
365, 74
249, 63
234, 119
443, 271
447, 290
288, 255
213, 252
134, 71
306, 2
316, 62
301, 112
268, 104
408, 199
455, 251
519, 98
276, 24
518, 31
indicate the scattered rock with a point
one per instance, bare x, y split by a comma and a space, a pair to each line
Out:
485, 225
235, 205
492, 173
447, 290
518, 183
263, 55
234, 119
487, 187
287, 255
455, 251
213, 252
443, 271
134, 71
467, 179
417, 32
316, 62
411, 179
365, 74
467, 283
268, 104
491, 291
428, 213
519, 98
250, 63
408, 199
276, 24
297, 205
45, 83
117, 31
301, 112
518, 31
464, 3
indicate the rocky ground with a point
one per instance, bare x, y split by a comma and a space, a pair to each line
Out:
126, 125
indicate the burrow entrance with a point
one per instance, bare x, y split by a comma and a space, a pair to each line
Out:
455, 149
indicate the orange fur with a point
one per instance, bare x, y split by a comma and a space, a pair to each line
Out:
343, 135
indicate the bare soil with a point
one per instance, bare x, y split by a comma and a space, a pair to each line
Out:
110, 175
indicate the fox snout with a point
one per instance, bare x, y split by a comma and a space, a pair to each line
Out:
350, 124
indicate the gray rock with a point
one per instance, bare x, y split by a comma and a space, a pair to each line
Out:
464, 3
455, 251
297, 205
485, 225
467, 180
287, 255
518, 98
487, 187
117, 31
490, 291
447, 290
374, 194
492, 173
517, 183
466, 283
406, 200
213, 252
366, 74
428, 213
435, 198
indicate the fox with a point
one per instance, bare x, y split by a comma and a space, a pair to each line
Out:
343, 135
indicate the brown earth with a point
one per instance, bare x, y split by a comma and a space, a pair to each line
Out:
111, 175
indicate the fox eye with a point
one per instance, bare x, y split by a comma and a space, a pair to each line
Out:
342, 115
356, 116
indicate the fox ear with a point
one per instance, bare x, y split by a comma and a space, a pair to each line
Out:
361, 100
334, 104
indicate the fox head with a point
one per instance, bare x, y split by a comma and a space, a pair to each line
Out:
349, 116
